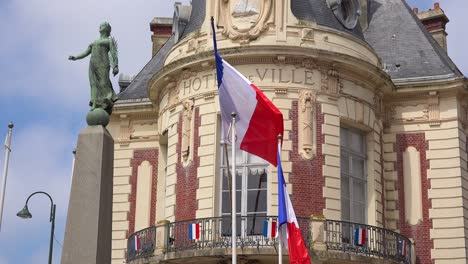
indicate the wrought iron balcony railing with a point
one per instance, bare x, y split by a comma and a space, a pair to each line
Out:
367, 240
216, 233
141, 243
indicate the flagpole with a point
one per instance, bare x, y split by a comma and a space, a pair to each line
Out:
233, 187
5, 169
280, 244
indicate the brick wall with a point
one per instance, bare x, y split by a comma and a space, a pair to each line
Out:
306, 176
420, 232
187, 181
150, 155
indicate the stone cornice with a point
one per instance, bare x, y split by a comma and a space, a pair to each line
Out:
350, 68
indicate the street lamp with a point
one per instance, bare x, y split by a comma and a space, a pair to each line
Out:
24, 213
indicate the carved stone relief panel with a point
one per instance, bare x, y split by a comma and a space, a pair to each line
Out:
307, 121
187, 117
245, 19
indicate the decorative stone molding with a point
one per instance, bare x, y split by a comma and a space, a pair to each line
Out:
281, 91
389, 115
125, 130
433, 109
187, 128
209, 96
245, 20
330, 81
307, 130
378, 105
186, 73
307, 63
173, 94
308, 34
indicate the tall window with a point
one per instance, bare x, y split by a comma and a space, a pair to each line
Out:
251, 190
353, 176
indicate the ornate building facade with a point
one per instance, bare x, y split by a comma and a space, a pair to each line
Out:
375, 116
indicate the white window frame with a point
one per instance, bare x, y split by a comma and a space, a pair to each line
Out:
351, 178
245, 166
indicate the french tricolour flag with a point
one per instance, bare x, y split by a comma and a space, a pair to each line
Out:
258, 121
194, 231
269, 229
360, 236
402, 247
136, 243
288, 227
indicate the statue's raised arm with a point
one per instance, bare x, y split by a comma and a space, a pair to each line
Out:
104, 55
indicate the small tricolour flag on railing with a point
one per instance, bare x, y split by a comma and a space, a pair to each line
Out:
269, 229
136, 242
194, 231
402, 247
360, 236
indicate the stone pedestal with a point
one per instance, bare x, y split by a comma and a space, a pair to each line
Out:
88, 232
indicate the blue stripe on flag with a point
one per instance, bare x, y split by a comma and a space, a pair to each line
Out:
190, 231
265, 228
219, 60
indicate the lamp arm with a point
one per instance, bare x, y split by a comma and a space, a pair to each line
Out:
52, 211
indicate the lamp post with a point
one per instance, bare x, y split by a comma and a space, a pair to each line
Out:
24, 213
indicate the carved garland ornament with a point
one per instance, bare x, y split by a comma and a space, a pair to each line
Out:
244, 19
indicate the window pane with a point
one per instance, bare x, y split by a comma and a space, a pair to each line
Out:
256, 201
239, 180
225, 159
257, 178
252, 159
358, 168
255, 224
345, 187
359, 191
359, 215
226, 200
345, 210
344, 137
344, 162
225, 179
226, 207
356, 142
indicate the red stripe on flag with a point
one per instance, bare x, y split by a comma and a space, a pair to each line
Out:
273, 229
298, 253
197, 231
261, 138
363, 231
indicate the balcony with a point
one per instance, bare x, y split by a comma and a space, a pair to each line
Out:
327, 240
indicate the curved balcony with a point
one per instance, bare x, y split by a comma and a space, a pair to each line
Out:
210, 242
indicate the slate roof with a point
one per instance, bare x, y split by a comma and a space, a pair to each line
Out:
406, 48
138, 87
319, 12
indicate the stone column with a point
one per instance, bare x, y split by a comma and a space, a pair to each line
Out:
317, 228
88, 232
162, 233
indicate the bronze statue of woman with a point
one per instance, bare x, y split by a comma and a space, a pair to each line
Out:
103, 56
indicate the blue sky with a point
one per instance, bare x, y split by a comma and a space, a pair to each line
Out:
46, 96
